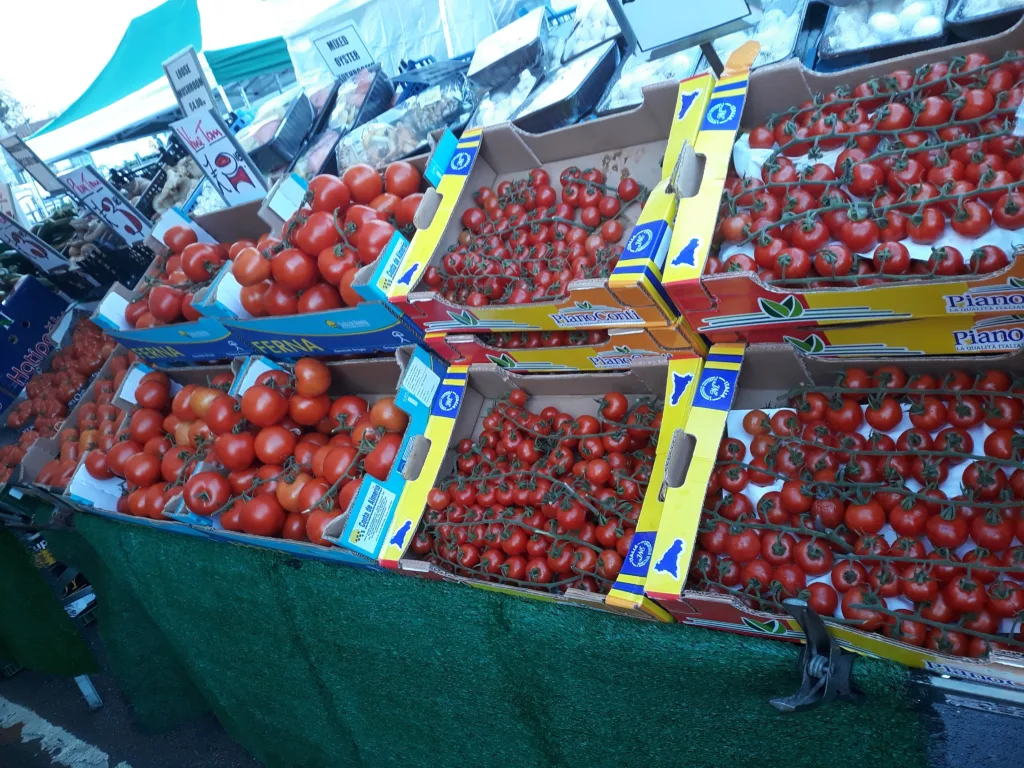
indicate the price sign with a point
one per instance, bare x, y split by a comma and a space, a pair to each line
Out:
9, 204
30, 246
225, 163
34, 167
95, 193
188, 81
343, 50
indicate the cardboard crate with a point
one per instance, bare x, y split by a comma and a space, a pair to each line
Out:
372, 326
735, 303
953, 335
738, 378
474, 387
186, 343
623, 348
648, 141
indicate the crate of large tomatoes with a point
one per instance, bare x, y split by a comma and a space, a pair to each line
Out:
848, 202
308, 287
552, 485
564, 231
311, 458
886, 494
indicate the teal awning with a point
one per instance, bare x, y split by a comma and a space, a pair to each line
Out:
240, 62
150, 39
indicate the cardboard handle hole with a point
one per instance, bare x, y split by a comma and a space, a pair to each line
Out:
428, 206
416, 456
689, 173
677, 463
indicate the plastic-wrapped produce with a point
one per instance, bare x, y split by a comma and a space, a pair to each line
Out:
274, 137
510, 50
592, 25
626, 91
966, 11
360, 98
404, 129
207, 201
776, 32
865, 26
499, 105
570, 92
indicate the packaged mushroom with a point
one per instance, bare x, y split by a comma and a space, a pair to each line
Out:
592, 25
570, 92
777, 31
404, 129
499, 105
879, 24
510, 50
636, 71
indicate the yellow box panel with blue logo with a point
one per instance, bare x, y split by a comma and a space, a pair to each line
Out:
644, 143
467, 414
738, 378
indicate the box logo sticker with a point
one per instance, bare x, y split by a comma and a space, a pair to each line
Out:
669, 562
621, 357
398, 538
461, 161
585, 313
687, 257
640, 553
680, 381
641, 243
996, 334
447, 402
988, 298
714, 390
724, 113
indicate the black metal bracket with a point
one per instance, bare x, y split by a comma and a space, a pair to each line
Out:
826, 670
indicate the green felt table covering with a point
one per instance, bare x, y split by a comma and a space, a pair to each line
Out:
311, 664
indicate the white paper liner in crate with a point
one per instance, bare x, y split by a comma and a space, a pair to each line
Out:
951, 487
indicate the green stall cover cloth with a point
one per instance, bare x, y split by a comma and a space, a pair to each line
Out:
311, 664
240, 62
149, 41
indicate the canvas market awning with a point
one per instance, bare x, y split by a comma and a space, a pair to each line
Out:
131, 97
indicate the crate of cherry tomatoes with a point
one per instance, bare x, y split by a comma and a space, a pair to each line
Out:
42, 410
887, 192
157, 318
552, 484
312, 459
308, 288
597, 349
561, 231
886, 495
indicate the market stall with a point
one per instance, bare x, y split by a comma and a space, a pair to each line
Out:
627, 338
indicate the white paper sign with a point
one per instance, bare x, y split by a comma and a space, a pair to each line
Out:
34, 167
188, 81
9, 205
95, 193
222, 159
343, 50
30, 246
283, 201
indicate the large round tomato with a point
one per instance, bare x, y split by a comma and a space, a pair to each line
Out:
142, 469
334, 262
316, 233
177, 238
294, 270
236, 452
363, 182
165, 303
312, 378
347, 409
206, 492
264, 406
378, 463
328, 193
274, 444
262, 516
307, 411
401, 178
146, 423
386, 414
279, 301
200, 261
250, 267
373, 236
316, 522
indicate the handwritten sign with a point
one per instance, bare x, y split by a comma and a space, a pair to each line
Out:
34, 167
343, 50
30, 246
188, 81
225, 163
95, 193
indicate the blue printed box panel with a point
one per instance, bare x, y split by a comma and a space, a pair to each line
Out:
203, 340
28, 316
